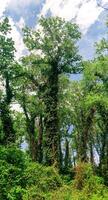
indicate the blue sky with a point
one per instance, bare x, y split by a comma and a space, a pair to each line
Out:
86, 13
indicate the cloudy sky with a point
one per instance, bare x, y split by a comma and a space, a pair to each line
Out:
86, 13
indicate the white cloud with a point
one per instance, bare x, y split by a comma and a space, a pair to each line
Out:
3, 5
104, 2
86, 12
21, 23
18, 5
15, 34
17, 37
15, 5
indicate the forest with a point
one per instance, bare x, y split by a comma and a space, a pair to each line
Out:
53, 128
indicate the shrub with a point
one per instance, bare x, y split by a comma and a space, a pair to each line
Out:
85, 176
16, 193
40, 180
23, 180
12, 165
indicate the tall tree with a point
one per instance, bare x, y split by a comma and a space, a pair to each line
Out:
7, 51
29, 82
56, 41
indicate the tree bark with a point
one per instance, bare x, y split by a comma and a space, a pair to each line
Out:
61, 155
7, 124
91, 153
30, 125
32, 139
40, 140
85, 136
66, 161
51, 121
6, 119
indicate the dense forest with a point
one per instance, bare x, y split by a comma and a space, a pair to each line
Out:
53, 129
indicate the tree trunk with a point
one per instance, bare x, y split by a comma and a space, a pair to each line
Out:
32, 139
83, 149
40, 140
91, 153
85, 135
7, 122
103, 153
66, 161
61, 155
51, 121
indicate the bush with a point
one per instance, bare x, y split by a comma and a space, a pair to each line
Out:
13, 155
70, 193
16, 193
12, 166
23, 180
40, 180
86, 177
87, 185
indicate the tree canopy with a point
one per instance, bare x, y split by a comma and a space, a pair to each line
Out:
54, 145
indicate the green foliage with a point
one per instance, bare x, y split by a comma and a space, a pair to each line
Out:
85, 186
21, 179
85, 175
56, 39
16, 193
70, 193
36, 172
62, 120
5, 26
6, 47
12, 165
13, 156
7, 51
41, 180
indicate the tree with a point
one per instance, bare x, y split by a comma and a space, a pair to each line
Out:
7, 51
56, 41
97, 77
27, 89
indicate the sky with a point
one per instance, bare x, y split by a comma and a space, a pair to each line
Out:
86, 13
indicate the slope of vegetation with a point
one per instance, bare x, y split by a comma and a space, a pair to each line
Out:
63, 122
